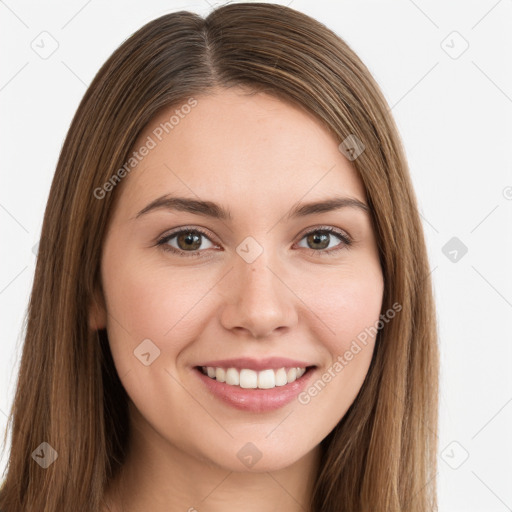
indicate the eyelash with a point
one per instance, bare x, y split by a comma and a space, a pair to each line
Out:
347, 241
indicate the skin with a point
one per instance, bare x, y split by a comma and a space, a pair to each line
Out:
257, 156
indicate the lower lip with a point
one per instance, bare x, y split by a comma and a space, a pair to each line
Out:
256, 400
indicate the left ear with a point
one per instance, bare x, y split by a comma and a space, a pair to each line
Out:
97, 311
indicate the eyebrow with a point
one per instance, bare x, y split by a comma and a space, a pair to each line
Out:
211, 209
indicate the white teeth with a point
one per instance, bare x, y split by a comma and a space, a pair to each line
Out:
220, 375
266, 379
232, 377
281, 379
250, 379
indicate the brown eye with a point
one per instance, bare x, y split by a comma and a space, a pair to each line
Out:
188, 240
318, 240
185, 242
322, 241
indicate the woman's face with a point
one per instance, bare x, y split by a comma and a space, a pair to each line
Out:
241, 275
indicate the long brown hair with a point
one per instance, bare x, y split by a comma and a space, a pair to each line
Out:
382, 454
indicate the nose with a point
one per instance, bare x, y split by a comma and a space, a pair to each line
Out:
258, 299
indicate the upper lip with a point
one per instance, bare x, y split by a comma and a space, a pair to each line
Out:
273, 363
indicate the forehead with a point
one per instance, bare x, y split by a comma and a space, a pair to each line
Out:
233, 147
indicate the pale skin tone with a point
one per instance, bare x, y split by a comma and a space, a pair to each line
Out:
258, 157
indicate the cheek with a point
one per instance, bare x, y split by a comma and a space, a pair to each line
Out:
136, 303
148, 301
347, 303
350, 306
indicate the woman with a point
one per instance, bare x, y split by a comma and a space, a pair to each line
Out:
232, 305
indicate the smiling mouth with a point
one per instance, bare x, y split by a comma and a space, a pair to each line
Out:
251, 379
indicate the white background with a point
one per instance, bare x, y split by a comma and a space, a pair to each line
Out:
455, 118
